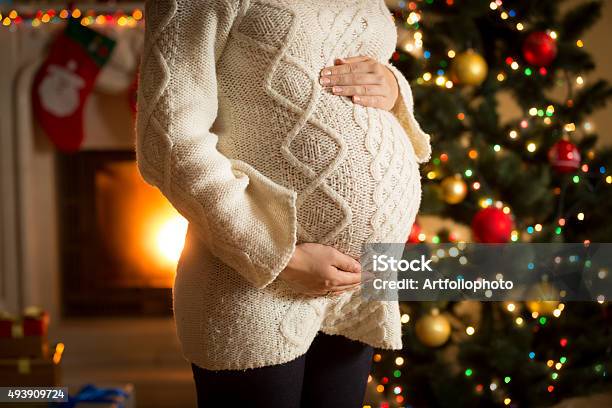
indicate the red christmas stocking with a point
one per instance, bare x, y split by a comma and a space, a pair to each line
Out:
65, 80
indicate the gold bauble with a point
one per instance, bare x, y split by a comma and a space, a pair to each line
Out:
543, 307
469, 68
453, 189
433, 330
541, 295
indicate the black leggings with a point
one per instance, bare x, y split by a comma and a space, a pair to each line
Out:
333, 373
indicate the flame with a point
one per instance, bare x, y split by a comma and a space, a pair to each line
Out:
170, 238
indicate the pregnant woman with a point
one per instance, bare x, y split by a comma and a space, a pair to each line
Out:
279, 129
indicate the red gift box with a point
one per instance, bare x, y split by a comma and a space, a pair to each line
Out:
35, 322
6, 325
26, 337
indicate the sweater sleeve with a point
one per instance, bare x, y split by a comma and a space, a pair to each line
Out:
404, 111
247, 220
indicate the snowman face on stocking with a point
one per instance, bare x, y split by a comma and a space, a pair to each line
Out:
59, 91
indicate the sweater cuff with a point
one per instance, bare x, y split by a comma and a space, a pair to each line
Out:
273, 235
404, 111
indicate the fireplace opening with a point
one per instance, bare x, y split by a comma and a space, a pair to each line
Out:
120, 238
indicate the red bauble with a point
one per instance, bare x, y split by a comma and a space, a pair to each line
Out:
564, 157
492, 225
413, 238
539, 49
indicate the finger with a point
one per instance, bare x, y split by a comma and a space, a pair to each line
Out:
361, 66
355, 78
362, 90
370, 101
345, 263
341, 278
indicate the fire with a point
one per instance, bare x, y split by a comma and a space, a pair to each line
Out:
170, 238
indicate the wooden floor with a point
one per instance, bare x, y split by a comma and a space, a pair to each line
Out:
112, 352
162, 388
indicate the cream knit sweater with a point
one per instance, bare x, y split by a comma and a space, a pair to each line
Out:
235, 130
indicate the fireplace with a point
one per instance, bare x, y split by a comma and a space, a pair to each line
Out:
119, 237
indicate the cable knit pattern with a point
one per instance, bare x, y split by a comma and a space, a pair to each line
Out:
235, 130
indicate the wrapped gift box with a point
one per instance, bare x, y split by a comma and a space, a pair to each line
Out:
32, 372
24, 338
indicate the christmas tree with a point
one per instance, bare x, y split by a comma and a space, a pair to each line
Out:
536, 177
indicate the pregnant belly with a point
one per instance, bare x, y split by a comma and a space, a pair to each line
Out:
362, 181
353, 168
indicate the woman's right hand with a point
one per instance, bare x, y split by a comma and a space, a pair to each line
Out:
316, 269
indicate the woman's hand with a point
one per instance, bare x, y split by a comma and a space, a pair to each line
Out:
316, 269
367, 81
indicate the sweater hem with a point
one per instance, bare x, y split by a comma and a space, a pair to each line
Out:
379, 345
243, 366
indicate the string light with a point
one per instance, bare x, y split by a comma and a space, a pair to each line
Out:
531, 147
89, 17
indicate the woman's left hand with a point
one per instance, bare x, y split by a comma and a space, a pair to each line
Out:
365, 80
